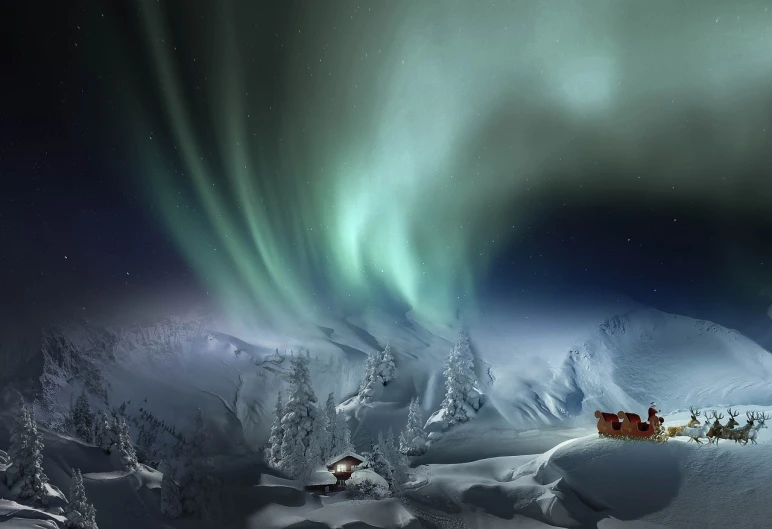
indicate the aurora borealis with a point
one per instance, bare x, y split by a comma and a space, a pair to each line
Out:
412, 136
307, 156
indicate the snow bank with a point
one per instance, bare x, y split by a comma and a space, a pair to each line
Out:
606, 483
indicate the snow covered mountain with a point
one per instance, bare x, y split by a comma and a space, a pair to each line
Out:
632, 360
531, 380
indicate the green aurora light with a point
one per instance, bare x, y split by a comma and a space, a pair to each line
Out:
409, 137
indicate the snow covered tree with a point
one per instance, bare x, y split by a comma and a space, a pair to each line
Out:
79, 512
101, 429
124, 447
293, 462
377, 462
171, 506
201, 442
200, 490
332, 426
322, 436
412, 440
367, 386
366, 485
462, 398
343, 432
318, 446
386, 368
148, 433
299, 414
396, 459
82, 419
277, 433
25, 477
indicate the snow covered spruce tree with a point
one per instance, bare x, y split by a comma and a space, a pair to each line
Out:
380, 368
318, 446
299, 415
386, 368
367, 386
124, 447
25, 477
396, 459
462, 398
101, 428
82, 419
343, 435
378, 463
412, 440
277, 433
199, 488
201, 442
171, 506
79, 512
332, 425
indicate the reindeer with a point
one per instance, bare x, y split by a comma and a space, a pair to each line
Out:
672, 431
740, 435
761, 421
695, 434
732, 423
716, 429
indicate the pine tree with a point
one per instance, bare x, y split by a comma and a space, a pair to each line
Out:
200, 443
396, 459
277, 433
25, 477
367, 386
386, 369
82, 419
322, 437
412, 440
377, 462
128, 456
199, 489
171, 506
79, 512
299, 414
343, 442
102, 426
293, 463
332, 426
314, 456
461, 396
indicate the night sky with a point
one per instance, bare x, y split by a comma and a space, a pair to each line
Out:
291, 158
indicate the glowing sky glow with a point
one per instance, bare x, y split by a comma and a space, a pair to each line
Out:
409, 137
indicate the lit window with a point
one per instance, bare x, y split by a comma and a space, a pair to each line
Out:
341, 468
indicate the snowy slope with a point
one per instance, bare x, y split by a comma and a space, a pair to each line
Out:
539, 369
604, 483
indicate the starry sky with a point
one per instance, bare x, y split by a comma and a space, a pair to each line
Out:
286, 159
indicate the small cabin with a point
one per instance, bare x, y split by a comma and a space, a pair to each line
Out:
322, 480
343, 465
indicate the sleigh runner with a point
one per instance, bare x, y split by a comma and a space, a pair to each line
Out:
626, 425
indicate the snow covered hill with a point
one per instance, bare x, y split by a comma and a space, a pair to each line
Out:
545, 370
632, 360
603, 483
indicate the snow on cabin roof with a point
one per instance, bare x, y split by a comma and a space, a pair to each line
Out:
344, 455
321, 476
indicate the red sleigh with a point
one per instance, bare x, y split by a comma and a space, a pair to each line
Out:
629, 425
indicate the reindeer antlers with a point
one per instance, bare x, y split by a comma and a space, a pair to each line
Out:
718, 416
694, 413
751, 415
733, 415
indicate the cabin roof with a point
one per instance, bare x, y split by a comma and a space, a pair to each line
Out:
344, 455
321, 476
